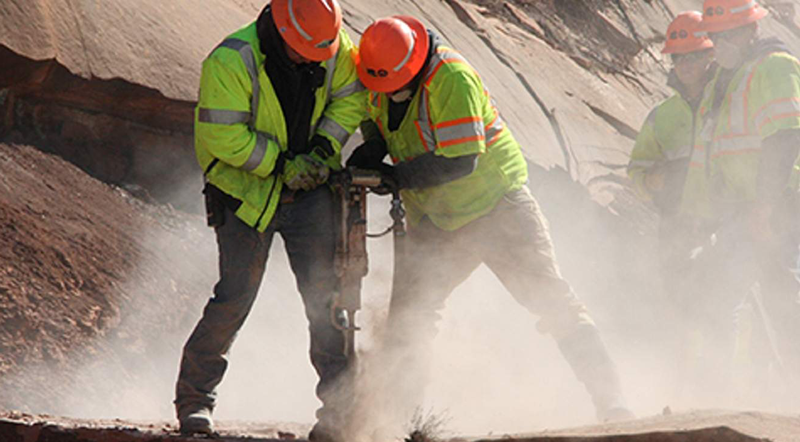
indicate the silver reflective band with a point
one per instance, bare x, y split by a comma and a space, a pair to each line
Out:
352, 88
296, 25
223, 116
410, 51
258, 154
424, 125
330, 67
750, 5
249, 60
775, 112
738, 144
335, 130
494, 130
460, 131
700, 34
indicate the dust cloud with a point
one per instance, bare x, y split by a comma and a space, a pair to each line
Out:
492, 371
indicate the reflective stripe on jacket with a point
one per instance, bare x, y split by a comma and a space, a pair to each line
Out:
452, 115
666, 142
763, 98
239, 125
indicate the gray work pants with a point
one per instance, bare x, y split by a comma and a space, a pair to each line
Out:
514, 242
307, 228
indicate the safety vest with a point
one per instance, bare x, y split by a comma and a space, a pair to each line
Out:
763, 98
240, 128
668, 135
452, 115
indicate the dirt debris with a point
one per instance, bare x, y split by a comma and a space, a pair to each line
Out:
82, 277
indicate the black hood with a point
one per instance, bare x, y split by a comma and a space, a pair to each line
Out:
294, 84
397, 111
764, 46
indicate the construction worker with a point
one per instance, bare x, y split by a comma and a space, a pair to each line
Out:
746, 164
659, 167
462, 176
278, 99
660, 157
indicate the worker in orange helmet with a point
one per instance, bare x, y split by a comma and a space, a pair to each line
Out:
278, 100
462, 176
746, 161
658, 168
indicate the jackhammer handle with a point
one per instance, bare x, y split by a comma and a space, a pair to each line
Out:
366, 178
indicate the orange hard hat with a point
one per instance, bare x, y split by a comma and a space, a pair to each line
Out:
392, 51
310, 27
683, 35
721, 15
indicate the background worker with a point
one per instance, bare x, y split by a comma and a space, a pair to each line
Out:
278, 99
747, 160
659, 167
463, 179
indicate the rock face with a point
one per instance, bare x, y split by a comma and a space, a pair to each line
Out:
574, 80
83, 273
110, 86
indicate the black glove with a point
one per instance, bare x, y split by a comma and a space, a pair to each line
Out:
389, 179
320, 147
369, 155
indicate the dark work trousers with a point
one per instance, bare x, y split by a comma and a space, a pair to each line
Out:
721, 319
737, 261
307, 228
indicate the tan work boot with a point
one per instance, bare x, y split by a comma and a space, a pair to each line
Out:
586, 353
325, 433
616, 414
196, 420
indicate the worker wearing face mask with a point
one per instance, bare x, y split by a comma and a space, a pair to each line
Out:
746, 159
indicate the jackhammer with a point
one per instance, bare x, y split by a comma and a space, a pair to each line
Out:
350, 188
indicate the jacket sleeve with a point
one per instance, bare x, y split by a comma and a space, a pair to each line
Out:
222, 117
347, 104
775, 103
645, 156
456, 112
774, 99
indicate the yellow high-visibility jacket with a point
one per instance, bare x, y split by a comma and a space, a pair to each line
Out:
665, 144
452, 114
762, 98
239, 125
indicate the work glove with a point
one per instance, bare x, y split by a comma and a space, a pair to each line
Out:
368, 155
320, 148
304, 172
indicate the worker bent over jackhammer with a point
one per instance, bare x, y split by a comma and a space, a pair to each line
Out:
463, 178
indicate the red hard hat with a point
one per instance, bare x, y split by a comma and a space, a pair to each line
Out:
721, 15
310, 27
683, 34
391, 52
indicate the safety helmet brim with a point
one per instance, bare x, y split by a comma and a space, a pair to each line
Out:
678, 49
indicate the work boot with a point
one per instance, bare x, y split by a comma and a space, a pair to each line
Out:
615, 414
586, 353
196, 420
324, 434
